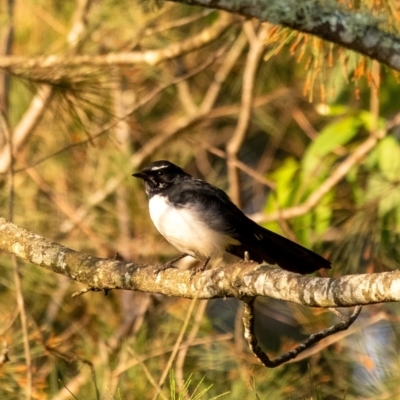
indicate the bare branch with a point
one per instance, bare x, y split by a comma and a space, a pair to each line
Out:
243, 279
249, 77
26, 125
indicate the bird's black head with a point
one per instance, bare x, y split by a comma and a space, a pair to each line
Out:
159, 175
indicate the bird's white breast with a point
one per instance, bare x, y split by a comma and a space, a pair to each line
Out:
184, 229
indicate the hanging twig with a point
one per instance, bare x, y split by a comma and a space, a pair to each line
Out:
249, 334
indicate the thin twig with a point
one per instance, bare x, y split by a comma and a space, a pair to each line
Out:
149, 376
24, 327
4, 358
7, 325
374, 97
304, 124
26, 125
180, 358
239, 164
222, 73
66, 208
121, 96
166, 26
249, 75
249, 334
17, 277
337, 175
70, 359
259, 101
7, 40
66, 388
340, 336
177, 345
186, 98
85, 290
159, 352
60, 64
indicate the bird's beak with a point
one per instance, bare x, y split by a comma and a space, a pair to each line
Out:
140, 175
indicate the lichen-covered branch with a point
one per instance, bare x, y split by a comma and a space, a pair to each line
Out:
355, 30
234, 280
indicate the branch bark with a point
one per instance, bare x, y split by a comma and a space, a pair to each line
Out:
355, 30
243, 279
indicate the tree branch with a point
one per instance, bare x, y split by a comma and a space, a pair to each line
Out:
249, 78
357, 30
43, 65
243, 279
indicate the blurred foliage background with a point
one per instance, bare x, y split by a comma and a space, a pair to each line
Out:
303, 135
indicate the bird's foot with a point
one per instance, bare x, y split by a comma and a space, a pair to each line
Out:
196, 270
160, 268
201, 268
168, 265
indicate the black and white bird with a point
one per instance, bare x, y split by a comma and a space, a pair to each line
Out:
201, 221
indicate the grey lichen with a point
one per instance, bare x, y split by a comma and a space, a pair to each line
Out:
18, 249
259, 284
395, 61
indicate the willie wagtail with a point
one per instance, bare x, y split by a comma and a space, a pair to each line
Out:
201, 221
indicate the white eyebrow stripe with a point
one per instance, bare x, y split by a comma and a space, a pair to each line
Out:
159, 167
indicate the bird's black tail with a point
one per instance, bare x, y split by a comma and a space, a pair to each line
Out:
272, 248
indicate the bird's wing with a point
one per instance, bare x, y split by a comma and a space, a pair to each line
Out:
218, 211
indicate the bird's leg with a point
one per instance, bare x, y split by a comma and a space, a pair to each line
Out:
199, 269
169, 264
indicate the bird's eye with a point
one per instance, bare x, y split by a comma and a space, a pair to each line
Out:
159, 173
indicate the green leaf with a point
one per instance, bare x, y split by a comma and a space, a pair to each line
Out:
323, 214
389, 202
389, 158
368, 120
384, 192
333, 135
285, 178
302, 226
